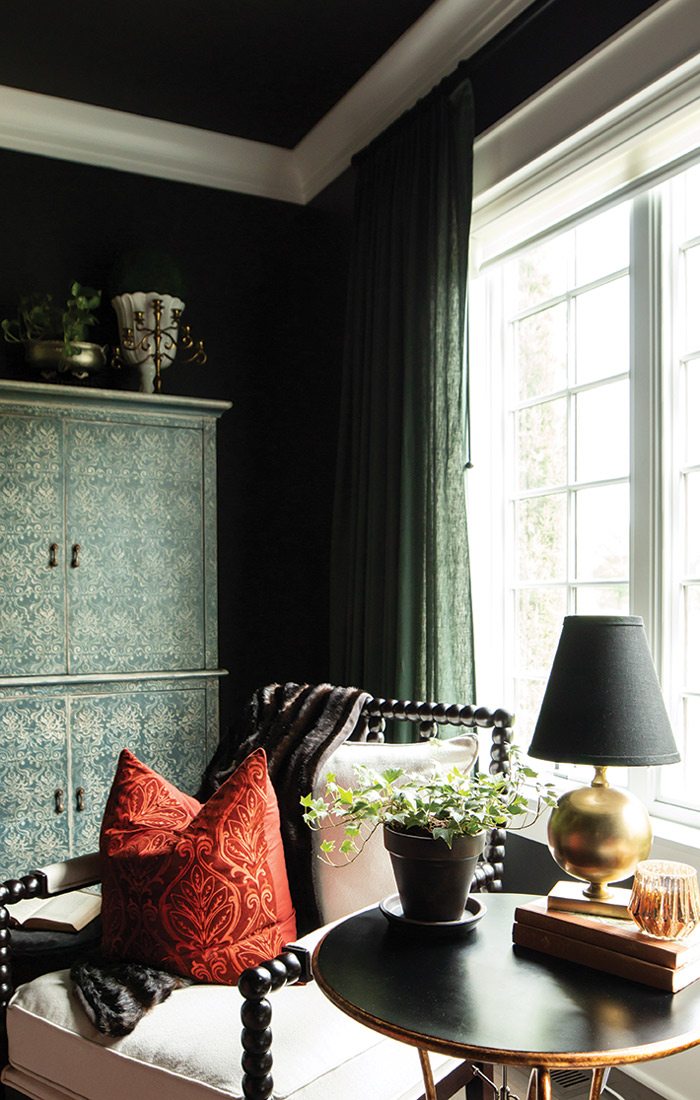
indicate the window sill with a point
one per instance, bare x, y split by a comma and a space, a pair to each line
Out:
675, 841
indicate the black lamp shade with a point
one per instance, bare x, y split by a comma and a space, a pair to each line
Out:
603, 703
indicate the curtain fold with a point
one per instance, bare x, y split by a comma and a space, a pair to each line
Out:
401, 622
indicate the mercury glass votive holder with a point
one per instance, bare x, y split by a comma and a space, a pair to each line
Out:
665, 900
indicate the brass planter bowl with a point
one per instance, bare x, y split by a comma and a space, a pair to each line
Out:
49, 357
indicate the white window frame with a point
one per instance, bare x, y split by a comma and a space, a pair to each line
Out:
634, 143
652, 589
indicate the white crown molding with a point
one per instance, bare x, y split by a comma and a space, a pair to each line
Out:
449, 31
61, 128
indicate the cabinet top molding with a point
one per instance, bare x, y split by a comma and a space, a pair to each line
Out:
47, 394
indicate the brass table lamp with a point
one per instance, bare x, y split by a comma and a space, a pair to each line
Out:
602, 706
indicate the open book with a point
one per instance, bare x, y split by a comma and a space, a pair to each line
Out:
65, 913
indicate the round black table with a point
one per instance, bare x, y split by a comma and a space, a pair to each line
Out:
479, 998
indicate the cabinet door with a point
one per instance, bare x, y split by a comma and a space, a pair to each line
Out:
135, 586
34, 807
32, 617
164, 729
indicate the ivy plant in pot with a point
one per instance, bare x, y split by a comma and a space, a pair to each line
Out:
434, 826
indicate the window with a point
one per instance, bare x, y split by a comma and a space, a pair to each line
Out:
680, 784
585, 368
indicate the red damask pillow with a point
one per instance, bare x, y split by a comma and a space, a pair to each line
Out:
200, 890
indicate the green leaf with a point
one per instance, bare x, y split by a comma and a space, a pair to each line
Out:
392, 774
11, 330
444, 834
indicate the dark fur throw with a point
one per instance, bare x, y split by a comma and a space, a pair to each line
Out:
116, 995
298, 726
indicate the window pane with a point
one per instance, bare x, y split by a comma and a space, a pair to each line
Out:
602, 432
672, 780
692, 637
528, 700
692, 413
602, 532
541, 349
542, 272
692, 298
541, 445
541, 538
692, 203
583, 774
679, 782
602, 331
691, 742
692, 525
602, 599
603, 245
541, 612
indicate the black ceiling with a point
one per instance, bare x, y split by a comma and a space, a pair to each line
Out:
261, 69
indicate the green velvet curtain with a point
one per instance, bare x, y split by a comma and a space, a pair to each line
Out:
401, 622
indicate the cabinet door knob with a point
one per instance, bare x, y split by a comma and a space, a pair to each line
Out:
80, 799
59, 803
53, 555
75, 555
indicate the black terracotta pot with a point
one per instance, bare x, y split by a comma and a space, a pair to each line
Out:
433, 880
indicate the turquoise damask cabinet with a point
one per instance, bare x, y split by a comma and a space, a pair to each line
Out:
108, 608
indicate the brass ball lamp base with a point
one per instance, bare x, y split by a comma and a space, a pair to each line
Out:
597, 834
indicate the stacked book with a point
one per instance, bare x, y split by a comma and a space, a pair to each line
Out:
613, 945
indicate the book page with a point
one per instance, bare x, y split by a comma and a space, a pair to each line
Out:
22, 910
71, 911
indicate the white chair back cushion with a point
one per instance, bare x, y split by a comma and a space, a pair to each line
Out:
368, 878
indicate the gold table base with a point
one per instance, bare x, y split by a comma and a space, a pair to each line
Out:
539, 1086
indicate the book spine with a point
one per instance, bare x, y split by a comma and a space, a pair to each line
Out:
658, 953
597, 958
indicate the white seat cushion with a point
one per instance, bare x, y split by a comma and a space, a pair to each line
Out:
369, 878
188, 1048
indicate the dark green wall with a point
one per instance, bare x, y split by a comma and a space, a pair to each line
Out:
266, 289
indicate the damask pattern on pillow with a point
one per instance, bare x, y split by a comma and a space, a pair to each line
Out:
198, 889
